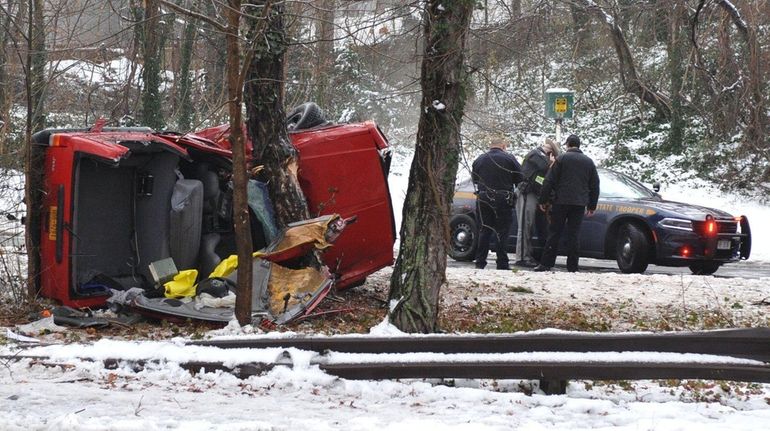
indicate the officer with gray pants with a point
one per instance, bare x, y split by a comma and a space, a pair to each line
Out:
534, 168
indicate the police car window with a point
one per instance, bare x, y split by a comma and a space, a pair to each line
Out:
464, 186
617, 185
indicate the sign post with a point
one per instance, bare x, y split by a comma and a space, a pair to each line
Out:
559, 105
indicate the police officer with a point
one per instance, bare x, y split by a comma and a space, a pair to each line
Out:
494, 174
572, 189
534, 168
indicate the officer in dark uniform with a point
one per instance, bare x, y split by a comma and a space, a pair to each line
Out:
494, 174
572, 189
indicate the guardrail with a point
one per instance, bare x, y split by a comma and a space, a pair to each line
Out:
550, 357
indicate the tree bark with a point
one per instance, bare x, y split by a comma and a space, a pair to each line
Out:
214, 61
420, 269
581, 31
677, 36
6, 100
266, 124
515, 9
628, 74
152, 114
35, 86
324, 52
728, 73
241, 222
757, 121
184, 99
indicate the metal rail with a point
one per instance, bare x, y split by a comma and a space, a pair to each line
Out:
469, 369
750, 343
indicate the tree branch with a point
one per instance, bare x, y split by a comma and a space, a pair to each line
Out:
196, 15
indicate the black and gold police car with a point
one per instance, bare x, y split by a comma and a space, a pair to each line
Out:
633, 225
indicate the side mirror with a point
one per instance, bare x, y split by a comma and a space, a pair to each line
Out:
656, 187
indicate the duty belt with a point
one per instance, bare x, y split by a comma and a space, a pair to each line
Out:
493, 195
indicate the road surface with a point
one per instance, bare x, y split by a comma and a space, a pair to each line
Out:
743, 269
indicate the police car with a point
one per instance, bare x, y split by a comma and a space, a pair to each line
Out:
632, 225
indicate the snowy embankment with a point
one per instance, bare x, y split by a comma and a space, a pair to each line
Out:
65, 392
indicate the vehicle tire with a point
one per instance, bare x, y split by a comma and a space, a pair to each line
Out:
464, 237
704, 268
632, 249
305, 116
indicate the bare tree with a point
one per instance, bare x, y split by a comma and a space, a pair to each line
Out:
629, 75
35, 86
756, 99
678, 48
235, 77
185, 105
152, 114
324, 52
7, 28
420, 269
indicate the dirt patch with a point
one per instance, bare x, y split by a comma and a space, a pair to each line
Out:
488, 301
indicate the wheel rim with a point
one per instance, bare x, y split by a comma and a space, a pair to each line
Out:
626, 252
462, 237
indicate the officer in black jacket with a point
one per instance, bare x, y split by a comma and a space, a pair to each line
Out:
494, 174
572, 189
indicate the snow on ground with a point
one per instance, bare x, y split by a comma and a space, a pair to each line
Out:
742, 301
67, 393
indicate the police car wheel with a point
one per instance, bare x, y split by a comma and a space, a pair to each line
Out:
704, 268
463, 238
632, 249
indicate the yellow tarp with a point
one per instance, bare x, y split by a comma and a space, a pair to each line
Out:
182, 285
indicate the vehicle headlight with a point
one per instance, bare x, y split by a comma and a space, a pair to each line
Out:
676, 223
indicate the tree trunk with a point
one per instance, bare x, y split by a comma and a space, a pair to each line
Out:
38, 58
515, 9
628, 74
728, 73
581, 31
6, 100
35, 86
241, 222
677, 38
184, 99
324, 53
152, 115
755, 131
214, 62
263, 94
420, 269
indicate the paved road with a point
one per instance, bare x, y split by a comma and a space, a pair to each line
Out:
744, 269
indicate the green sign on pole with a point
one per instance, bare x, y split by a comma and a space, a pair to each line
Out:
559, 103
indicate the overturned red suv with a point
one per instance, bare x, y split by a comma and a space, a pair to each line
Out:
111, 195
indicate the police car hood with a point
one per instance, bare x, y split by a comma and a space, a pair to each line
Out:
683, 210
